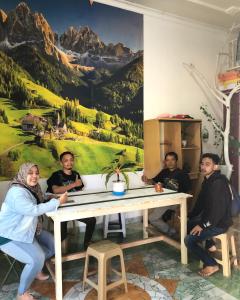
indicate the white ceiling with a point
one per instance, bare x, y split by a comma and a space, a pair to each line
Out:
220, 13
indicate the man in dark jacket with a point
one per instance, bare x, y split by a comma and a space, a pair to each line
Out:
171, 178
211, 214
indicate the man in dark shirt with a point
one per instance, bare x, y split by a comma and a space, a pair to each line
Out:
211, 214
68, 180
171, 178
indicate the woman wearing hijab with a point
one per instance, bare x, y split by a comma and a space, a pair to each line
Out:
21, 235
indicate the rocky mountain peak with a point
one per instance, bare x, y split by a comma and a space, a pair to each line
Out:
84, 39
22, 9
3, 16
118, 50
24, 26
81, 40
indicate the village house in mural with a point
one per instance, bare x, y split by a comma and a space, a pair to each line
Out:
68, 82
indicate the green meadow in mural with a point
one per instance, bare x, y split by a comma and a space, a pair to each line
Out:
71, 79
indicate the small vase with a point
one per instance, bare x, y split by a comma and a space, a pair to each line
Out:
118, 188
184, 143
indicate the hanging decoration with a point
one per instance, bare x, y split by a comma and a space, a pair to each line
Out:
205, 135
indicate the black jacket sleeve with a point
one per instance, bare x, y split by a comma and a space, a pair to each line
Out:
159, 177
217, 205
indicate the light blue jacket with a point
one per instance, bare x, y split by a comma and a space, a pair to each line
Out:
19, 214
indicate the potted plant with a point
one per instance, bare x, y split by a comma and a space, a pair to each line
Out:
184, 137
119, 166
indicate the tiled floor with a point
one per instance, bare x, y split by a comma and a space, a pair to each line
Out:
155, 268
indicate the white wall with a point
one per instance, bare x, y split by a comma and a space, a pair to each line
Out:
168, 87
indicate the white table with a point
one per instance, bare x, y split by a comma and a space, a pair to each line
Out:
102, 203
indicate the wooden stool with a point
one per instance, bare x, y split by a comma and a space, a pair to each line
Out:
103, 251
121, 224
227, 245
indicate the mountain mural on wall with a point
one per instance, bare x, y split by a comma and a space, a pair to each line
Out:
87, 89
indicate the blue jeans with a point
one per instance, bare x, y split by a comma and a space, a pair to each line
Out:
192, 243
46, 241
32, 255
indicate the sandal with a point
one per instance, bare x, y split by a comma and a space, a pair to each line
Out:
208, 271
41, 276
25, 296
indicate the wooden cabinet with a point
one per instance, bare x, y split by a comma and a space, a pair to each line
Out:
180, 136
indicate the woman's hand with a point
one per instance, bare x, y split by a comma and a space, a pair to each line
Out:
63, 198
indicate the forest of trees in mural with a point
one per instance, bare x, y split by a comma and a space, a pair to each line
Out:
65, 89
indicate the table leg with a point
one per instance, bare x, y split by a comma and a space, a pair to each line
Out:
145, 223
183, 219
58, 260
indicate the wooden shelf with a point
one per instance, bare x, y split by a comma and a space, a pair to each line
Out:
190, 148
179, 120
166, 135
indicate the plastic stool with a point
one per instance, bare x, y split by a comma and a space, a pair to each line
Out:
121, 224
104, 251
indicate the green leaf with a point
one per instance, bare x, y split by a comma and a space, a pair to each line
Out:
106, 169
108, 176
126, 179
115, 160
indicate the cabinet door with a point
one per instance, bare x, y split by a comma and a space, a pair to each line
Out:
160, 137
191, 150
